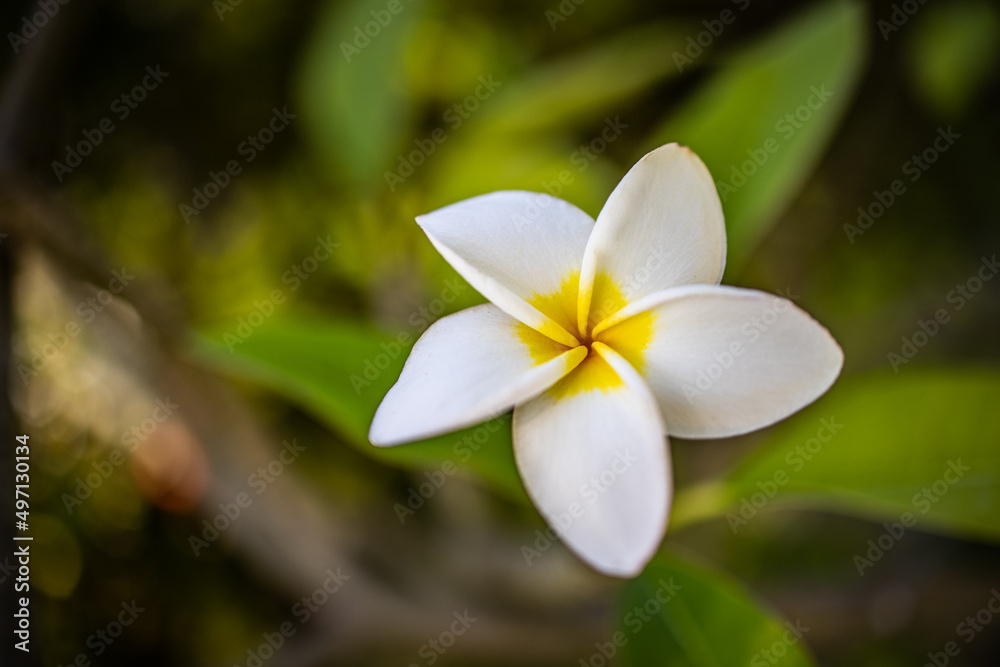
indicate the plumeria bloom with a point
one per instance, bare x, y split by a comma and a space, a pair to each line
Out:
605, 337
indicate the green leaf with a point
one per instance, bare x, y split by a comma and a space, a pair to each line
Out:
708, 620
952, 51
753, 126
527, 135
597, 80
926, 443
352, 91
521, 162
340, 371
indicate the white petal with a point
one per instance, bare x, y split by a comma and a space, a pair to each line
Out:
466, 368
511, 246
595, 464
661, 227
724, 360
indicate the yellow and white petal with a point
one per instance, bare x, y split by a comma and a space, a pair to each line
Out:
661, 227
595, 463
466, 368
723, 360
512, 246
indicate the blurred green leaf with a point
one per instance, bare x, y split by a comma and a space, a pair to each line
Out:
449, 54
525, 135
708, 620
352, 91
752, 123
522, 162
599, 79
340, 371
921, 442
953, 50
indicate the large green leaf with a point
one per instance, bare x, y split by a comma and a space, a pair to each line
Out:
548, 128
340, 371
680, 614
752, 123
921, 443
578, 86
352, 90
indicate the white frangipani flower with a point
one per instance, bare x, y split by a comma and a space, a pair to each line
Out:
605, 337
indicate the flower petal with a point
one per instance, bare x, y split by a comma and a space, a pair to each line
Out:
595, 464
661, 227
511, 246
724, 360
466, 368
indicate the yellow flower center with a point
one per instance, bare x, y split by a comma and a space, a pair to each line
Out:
629, 338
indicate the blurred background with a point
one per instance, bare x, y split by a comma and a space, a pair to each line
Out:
211, 276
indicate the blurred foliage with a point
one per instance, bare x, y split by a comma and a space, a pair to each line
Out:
766, 117
953, 52
698, 616
354, 96
941, 468
293, 357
